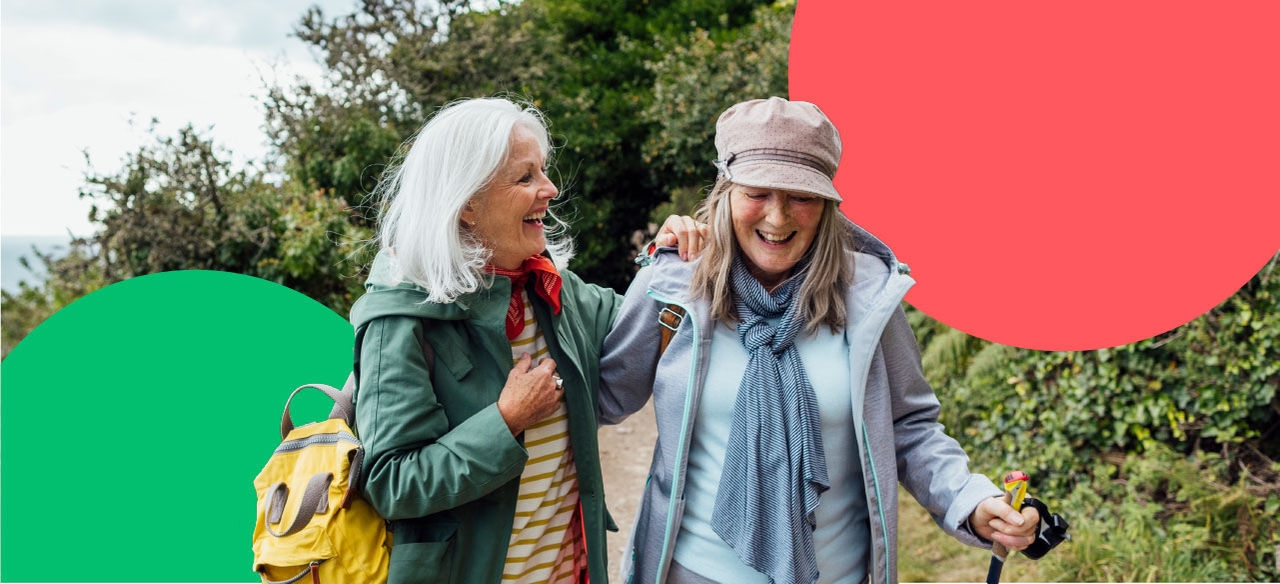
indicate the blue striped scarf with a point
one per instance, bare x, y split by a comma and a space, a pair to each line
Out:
774, 468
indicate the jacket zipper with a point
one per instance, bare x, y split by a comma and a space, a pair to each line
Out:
883, 321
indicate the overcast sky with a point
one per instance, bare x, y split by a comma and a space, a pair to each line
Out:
74, 73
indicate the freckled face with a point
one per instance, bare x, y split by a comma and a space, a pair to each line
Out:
774, 229
508, 213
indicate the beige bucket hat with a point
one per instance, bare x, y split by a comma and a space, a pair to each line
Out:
779, 144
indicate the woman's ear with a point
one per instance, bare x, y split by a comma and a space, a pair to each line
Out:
468, 214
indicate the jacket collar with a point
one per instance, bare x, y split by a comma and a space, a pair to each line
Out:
387, 294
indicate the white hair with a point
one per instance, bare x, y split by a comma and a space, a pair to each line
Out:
452, 158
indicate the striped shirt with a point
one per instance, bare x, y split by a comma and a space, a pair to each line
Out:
541, 547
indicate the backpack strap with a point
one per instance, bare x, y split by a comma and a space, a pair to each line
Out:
342, 407
669, 320
343, 399
430, 353
350, 387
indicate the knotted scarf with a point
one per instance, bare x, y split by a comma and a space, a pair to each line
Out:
774, 468
546, 285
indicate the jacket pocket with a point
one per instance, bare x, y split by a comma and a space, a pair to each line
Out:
423, 560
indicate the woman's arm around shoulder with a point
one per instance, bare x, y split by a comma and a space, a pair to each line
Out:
630, 354
597, 305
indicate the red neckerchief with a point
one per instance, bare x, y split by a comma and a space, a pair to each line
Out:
547, 286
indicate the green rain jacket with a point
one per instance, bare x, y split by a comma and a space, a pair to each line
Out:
440, 463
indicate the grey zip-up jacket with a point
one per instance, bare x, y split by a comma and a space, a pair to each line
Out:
895, 411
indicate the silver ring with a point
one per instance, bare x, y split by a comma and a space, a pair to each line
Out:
559, 382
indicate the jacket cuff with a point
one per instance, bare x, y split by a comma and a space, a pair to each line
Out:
977, 489
488, 422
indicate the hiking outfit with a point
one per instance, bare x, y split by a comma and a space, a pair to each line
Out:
892, 408
441, 464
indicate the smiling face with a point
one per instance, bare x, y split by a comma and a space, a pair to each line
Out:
508, 213
774, 229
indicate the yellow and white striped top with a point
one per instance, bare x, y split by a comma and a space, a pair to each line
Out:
541, 547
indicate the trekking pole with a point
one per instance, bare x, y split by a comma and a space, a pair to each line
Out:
1015, 490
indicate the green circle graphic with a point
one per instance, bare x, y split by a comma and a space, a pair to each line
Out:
133, 422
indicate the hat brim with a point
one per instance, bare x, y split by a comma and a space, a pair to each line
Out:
785, 177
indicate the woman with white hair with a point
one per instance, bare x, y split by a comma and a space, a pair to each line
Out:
477, 357
789, 400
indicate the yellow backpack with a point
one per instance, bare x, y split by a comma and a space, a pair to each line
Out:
312, 521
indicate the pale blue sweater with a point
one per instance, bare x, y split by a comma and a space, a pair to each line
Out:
842, 537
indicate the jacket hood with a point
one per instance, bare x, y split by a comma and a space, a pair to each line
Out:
387, 293
865, 242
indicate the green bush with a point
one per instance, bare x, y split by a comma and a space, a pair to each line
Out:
1162, 517
1208, 385
1160, 453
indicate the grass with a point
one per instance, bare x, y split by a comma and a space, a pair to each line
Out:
1156, 517
927, 554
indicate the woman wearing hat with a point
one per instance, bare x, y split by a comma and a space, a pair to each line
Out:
790, 401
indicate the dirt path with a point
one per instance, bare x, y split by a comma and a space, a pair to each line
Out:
625, 452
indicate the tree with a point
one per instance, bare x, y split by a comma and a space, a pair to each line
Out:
70, 276
699, 75
587, 65
695, 79
178, 204
623, 85
600, 102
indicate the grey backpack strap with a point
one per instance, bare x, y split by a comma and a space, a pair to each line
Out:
428, 352
344, 406
315, 500
341, 405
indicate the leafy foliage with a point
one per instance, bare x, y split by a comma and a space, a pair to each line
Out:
70, 276
698, 77
178, 204
1208, 385
1174, 438
702, 73
596, 102
389, 64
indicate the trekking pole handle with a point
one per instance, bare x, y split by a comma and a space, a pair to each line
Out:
1015, 490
